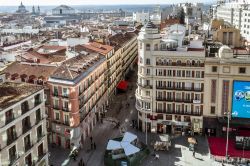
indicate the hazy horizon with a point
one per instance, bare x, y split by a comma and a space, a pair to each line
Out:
94, 3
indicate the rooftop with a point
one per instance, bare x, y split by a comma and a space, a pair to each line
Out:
12, 92
120, 39
22, 69
78, 67
99, 48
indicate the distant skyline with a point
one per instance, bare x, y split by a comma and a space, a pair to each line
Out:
93, 2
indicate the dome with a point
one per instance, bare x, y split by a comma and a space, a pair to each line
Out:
225, 52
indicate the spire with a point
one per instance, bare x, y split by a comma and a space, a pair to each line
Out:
33, 9
21, 3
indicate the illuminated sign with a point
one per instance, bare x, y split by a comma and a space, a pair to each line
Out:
241, 99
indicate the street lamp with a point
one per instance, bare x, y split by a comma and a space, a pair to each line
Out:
228, 116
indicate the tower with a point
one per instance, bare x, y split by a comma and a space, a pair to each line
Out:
33, 10
38, 10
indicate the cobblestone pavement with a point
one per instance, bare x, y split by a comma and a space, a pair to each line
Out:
178, 155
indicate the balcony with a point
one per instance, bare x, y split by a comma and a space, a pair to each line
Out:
145, 86
164, 111
65, 109
9, 119
198, 89
37, 102
27, 147
164, 87
66, 123
41, 156
13, 159
66, 96
38, 119
55, 93
12, 139
40, 136
25, 109
56, 107
26, 128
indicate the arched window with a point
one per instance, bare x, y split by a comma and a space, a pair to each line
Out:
170, 62
193, 62
148, 47
198, 63
178, 62
188, 63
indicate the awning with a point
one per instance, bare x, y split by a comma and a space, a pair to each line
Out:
129, 137
123, 85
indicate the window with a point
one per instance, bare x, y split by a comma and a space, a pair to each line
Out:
147, 93
169, 72
188, 73
212, 111
66, 119
57, 115
214, 68
66, 105
55, 91
12, 153
147, 61
178, 73
226, 69
148, 47
147, 82
9, 116
140, 45
242, 70
156, 47
197, 74
56, 104
213, 91
178, 85
148, 71
65, 92
178, 63
160, 72
147, 105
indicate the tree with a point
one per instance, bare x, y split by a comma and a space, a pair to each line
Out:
181, 16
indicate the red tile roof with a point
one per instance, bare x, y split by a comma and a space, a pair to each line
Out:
30, 70
99, 48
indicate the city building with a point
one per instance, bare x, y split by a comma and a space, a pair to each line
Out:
169, 97
63, 10
228, 35
23, 134
141, 17
21, 9
78, 89
235, 12
222, 73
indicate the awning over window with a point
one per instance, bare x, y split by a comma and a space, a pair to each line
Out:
123, 85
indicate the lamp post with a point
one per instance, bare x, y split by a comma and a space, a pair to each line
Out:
146, 128
228, 116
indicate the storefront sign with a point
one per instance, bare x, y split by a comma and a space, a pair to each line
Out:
241, 99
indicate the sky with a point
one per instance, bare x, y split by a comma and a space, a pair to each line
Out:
91, 2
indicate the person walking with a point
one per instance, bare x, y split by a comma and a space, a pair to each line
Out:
91, 139
91, 145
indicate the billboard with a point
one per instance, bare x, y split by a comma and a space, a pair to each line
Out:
241, 99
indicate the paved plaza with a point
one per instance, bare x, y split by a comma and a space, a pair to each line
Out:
178, 154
